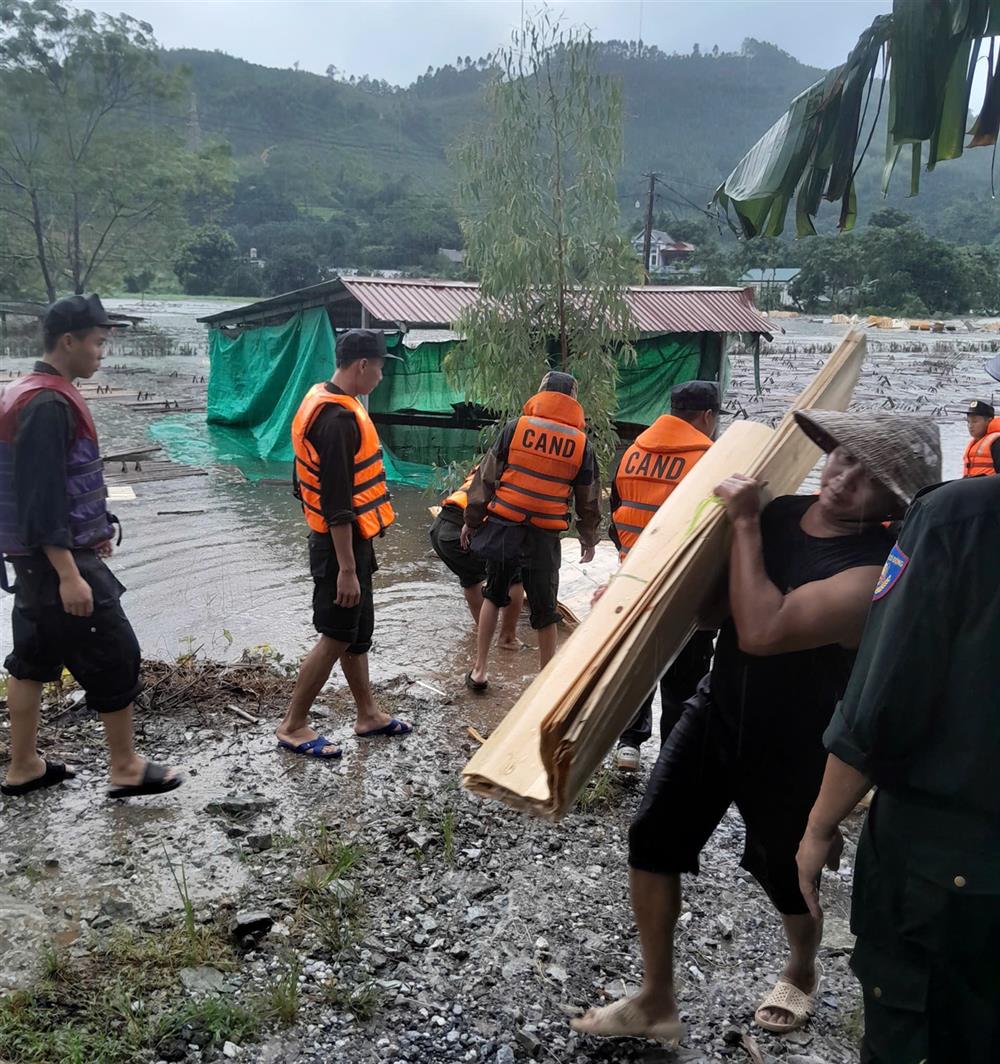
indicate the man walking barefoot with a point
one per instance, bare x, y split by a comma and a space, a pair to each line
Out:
340, 481
56, 531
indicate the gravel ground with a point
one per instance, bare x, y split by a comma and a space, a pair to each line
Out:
419, 923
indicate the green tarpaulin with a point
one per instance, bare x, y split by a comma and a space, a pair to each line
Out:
259, 378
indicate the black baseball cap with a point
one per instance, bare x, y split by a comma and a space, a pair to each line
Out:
362, 343
696, 395
980, 408
77, 313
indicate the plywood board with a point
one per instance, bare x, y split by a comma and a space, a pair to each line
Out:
543, 752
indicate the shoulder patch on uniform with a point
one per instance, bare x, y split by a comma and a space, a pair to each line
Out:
891, 572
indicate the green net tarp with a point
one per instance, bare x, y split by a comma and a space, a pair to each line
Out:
259, 378
644, 385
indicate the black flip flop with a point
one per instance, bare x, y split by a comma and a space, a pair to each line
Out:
478, 686
55, 772
154, 781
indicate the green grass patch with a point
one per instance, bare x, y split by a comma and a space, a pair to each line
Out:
118, 1003
329, 899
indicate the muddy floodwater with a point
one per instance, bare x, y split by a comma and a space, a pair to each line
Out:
219, 562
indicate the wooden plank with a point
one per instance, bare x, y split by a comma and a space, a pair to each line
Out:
542, 754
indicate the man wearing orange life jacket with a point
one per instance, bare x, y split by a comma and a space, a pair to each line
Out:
647, 474
982, 453
446, 534
340, 481
519, 502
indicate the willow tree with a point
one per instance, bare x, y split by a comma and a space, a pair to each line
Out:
539, 213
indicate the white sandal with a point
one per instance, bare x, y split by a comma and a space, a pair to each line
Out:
623, 1019
789, 998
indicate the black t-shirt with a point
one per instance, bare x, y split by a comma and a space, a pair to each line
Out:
785, 698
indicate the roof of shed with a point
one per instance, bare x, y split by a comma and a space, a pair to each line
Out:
431, 302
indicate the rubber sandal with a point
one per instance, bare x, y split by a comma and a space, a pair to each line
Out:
622, 1019
478, 686
55, 772
788, 997
394, 727
312, 748
154, 781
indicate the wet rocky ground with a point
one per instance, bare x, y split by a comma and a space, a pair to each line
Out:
283, 910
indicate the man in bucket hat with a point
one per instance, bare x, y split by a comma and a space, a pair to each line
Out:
919, 719
802, 573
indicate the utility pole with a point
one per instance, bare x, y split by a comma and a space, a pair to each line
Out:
647, 237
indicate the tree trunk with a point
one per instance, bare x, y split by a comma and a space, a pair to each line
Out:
43, 262
76, 264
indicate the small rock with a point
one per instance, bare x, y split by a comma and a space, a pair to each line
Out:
240, 806
528, 1040
420, 840
117, 909
724, 925
203, 980
731, 1036
250, 924
230, 1049
172, 1049
505, 1055
260, 843
837, 935
557, 972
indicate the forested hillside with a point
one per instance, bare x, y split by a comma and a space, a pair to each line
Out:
317, 172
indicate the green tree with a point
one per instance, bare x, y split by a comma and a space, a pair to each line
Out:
540, 218
85, 178
290, 268
206, 260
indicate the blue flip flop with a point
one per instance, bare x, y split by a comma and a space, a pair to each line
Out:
312, 748
394, 727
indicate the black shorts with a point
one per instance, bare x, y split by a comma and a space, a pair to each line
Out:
537, 567
353, 625
101, 651
445, 539
699, 773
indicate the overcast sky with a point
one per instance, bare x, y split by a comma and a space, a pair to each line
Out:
398, 39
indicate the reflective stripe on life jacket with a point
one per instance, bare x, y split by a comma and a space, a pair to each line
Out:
89, 521
545, 456
460, 496
978, 461
649, 471
370, 496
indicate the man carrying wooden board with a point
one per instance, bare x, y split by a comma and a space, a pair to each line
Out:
519, 502
802, 573
648, 472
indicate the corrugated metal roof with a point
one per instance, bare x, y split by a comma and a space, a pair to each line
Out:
416, 302
665, 309
427, 303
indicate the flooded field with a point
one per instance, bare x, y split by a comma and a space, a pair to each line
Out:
219, 562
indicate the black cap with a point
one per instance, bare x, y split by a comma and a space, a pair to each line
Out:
557, 381
362, 343
76, 313
696, 395
979, 408
993, 367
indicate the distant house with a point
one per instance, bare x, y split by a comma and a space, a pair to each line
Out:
664, 250
770, 286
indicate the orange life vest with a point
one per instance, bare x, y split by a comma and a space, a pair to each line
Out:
545, 456
650, 470
978, 461
460, 496
370, 500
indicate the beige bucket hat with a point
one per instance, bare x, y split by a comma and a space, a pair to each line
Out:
901, 451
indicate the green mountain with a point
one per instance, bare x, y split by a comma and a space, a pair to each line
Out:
336, 173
